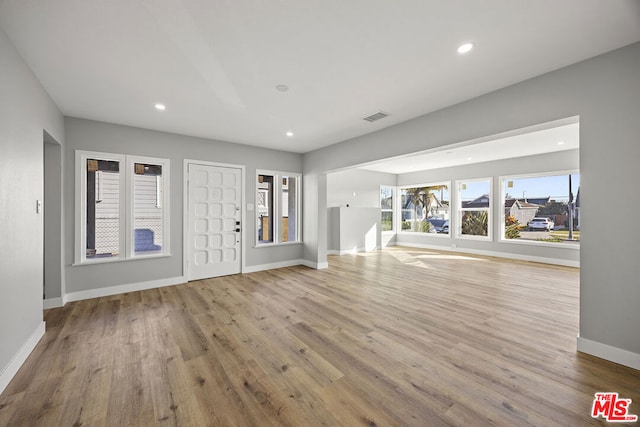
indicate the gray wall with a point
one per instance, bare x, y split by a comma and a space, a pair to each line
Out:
365, 184
551, 162
341, 186
110, 138
605, 92
53, 219
25, 112
355, 229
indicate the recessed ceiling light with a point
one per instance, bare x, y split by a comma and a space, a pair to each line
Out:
160, 107
469, 158
289, 133
282, 88
560, 142
465, 48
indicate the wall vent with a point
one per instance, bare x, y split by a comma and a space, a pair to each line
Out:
377, 116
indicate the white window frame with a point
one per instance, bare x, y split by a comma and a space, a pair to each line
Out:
421, 233
459, 211
125, 201
164, 204
392, 210
276, 207
503, 197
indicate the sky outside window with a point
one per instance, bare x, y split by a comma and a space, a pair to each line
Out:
544, 186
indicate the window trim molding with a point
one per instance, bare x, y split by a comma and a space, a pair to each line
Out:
459, 210
399, 188
125, 208
80, 252
394, 191
503, 195
277, 190
130, 207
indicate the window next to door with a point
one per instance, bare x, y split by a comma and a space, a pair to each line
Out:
278, 211
122, 207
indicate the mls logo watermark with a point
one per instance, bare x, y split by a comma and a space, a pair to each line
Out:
612, 408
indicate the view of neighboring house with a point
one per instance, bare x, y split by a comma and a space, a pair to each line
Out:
265, 201
429, 206
479, 202
540, 201
103, 215
523, 210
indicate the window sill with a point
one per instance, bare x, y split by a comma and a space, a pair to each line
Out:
113, 260
271, 245
474, 237
561, 245
420, 233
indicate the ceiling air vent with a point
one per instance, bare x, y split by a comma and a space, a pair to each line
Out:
377, 116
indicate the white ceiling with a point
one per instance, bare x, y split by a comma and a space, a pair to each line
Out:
215, 64
520, 143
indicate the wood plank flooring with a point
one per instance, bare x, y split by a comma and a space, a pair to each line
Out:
401, 337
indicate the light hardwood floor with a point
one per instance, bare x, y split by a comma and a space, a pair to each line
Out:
398, 337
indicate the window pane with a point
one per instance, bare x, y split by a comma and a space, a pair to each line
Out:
543, 208
148, 215
475, 223
386, 198
103, 209
475, 208
289, 212
386, 207
387, 221
426, 209
265, 208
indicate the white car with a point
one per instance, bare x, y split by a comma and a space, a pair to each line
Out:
544, 224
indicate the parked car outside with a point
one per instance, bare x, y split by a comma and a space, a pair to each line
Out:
544, 224
439, 225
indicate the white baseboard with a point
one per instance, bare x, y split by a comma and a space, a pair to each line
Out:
315, 265
52, 303
121, 289
610, 353
18, 360
282, 264
352, 251
519, 257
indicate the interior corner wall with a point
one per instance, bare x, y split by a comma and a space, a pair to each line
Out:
25, 111
356, 188
604, 92
112, 138
53, 220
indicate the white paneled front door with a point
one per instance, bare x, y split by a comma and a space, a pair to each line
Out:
214, 216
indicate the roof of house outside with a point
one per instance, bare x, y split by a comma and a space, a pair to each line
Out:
480, 202
521, 204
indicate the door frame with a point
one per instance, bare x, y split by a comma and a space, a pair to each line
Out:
185, 211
